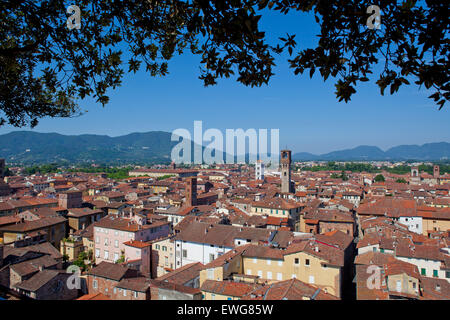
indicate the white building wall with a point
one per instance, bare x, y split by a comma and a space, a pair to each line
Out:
196, 252
369, 249
414, 223
428, 265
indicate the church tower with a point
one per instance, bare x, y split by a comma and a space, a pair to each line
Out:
436, 172
415, 177
191, 191
286, 171
259, 170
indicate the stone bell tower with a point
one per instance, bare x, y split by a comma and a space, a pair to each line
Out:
436, 172
191, 191
415, 176
286, 171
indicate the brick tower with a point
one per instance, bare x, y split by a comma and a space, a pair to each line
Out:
436, 171
191, 191
286, 171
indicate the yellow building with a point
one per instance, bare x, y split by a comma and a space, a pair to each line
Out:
72, 247
434, 219
163, 256
53, 227
276, 207
279, 208
158, 187
309, 261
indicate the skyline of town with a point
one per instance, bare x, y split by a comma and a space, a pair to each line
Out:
313, 231
229, 156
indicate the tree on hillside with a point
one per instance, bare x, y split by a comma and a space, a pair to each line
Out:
46, 68
379, 178
344, 176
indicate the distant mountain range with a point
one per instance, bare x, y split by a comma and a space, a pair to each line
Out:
429, 151
29, 147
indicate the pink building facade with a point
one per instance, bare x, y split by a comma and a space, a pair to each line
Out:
112, 232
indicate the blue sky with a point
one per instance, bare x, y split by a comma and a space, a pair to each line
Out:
306, 111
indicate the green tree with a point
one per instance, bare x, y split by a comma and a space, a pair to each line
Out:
7, 172
167, 176
80, 261
335, 176
122, 257
401, 180
65, 257
46, 68
379, 178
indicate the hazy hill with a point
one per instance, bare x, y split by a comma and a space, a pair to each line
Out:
31, 147
429, 151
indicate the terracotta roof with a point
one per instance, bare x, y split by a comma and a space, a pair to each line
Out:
434, 213
110, 271
399, 267
184, 274
31, 266
94, 296
174, 287
374, 258
33, 225
140, 284
331, 254
228, 288
329, 215
224, 235
389, 206
430, 252
292, 289
126, 224
8, 220
138, 244
435, 289
82, 212
38, 280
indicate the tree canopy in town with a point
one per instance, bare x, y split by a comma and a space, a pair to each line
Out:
47, 65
